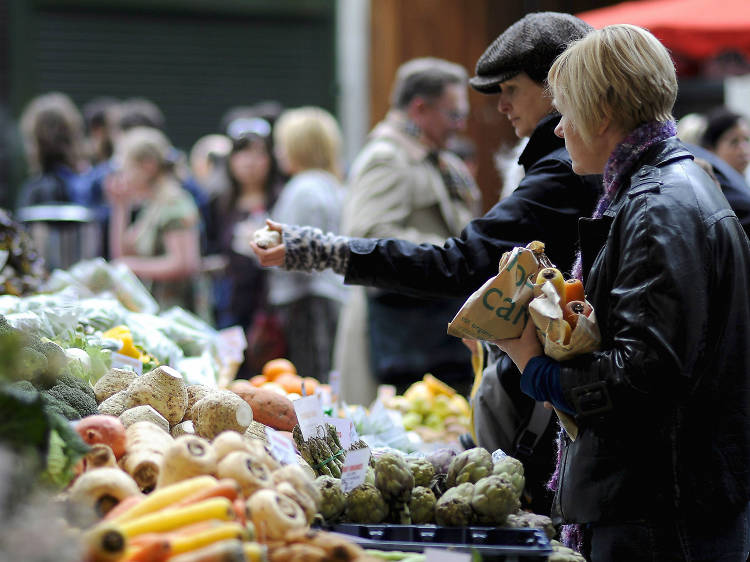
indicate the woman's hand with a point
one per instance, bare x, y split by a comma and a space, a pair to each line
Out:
274, 256
117, 190
522, 349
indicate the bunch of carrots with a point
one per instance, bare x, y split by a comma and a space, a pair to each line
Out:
199, 519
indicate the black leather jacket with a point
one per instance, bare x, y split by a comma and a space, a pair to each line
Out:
663, 408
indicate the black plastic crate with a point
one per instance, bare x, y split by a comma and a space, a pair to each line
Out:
493, 543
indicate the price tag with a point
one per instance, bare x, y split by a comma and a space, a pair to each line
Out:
231, 343
355, 469
309, 415
445, 555
345, 429
282, 448
120, 361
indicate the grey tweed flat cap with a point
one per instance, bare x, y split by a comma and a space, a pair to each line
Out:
530, 45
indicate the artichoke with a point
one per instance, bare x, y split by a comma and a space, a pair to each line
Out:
441, 459
333, 503
513, 469
365, 504
422, 470
453, 509
393, 478
469, 466
494, 498
422, 505
533, 521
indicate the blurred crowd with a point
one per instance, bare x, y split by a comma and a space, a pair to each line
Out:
181, 219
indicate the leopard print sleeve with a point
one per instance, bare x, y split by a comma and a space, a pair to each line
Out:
310, 249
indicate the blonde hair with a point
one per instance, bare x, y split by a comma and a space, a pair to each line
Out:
140, 143
622, 72
310, 137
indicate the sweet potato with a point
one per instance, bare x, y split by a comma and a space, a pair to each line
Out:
269, 407
104, 429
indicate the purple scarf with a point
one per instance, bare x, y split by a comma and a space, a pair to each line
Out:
618, 168
620, 165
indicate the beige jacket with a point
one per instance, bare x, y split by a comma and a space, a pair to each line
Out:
394, 191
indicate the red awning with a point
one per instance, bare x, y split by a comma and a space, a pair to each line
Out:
698, 29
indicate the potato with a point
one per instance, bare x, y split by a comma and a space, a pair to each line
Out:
269, 407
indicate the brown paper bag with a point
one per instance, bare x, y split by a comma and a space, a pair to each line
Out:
498, 309
547, 315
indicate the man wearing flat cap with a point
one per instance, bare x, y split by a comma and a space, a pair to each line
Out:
545, 206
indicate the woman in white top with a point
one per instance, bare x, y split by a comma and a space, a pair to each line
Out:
308, 145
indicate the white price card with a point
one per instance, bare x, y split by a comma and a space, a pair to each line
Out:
354, 470
120, 361
231, 343
445, 555
282, 448
345, 429
310, 416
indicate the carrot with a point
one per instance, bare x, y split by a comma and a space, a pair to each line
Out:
240, 510
223, 531
123, 506
170, 519
230, 550
224, 488
150, 547
165, 497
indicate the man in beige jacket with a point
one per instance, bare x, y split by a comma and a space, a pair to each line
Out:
405, 185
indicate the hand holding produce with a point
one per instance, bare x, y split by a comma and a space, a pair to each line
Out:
266, 238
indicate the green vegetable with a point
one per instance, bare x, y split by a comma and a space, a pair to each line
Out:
33, 429
494, 498
365, 504
453, 509
422, 505
74, 396
469, 466
30, 364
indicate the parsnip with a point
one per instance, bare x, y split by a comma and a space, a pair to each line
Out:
273, 514
186, 457
227, 442
243, 467
102, 488
145, 446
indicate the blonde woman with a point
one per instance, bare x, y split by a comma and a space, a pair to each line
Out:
659, 469
162, 244
307, 141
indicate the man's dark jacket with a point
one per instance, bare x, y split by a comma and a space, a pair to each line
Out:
546, 206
